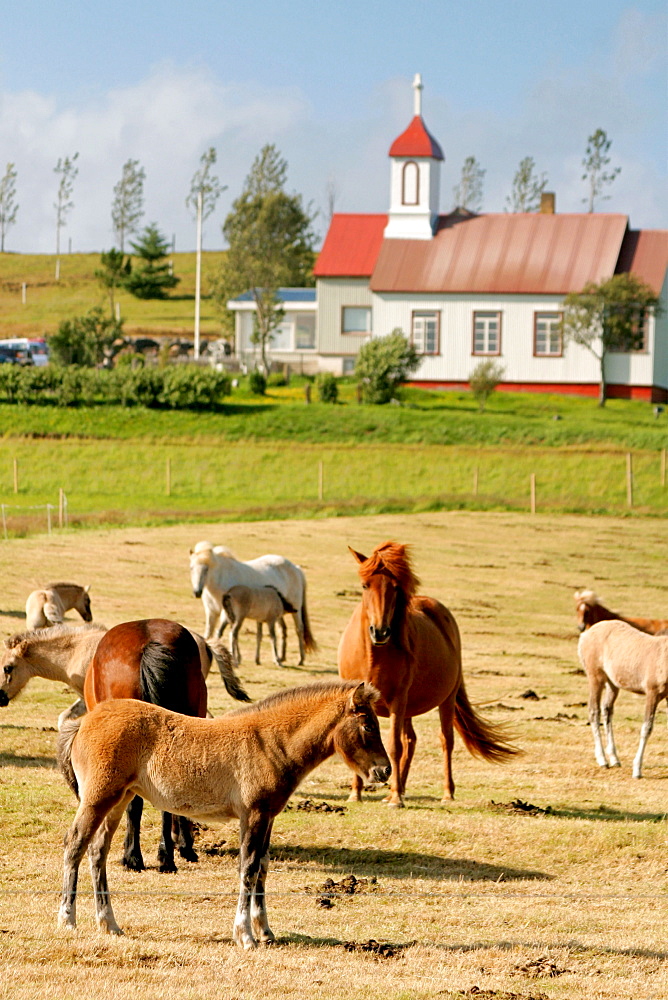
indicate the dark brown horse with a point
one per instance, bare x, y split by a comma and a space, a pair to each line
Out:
157, 661
409, 648
590, 611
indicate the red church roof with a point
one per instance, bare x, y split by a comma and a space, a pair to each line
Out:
351, 246
416, 141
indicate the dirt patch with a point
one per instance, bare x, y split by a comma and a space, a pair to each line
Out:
524, 808
348, 886
540, 968
530, 695
479, 994
309, 806
378, 949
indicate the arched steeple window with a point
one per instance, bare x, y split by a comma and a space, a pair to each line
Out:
410, 184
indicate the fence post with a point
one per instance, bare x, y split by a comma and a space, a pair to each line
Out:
629, 479
4, 521
321, 480
532, 484
663, 466
61, 507
16, 475
48, 517
475, 481
168, 477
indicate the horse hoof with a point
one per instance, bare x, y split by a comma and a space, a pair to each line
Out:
188, 854
134, 863
392, 804
167, 868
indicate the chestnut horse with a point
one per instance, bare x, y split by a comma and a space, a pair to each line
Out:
157, 661
245, 764
590, 611
409, 648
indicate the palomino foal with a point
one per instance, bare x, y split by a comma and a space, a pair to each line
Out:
48, 606
245, 764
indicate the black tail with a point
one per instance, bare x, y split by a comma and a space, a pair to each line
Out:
66, 738
162, 674
223, 658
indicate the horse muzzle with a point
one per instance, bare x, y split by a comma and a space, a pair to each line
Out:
381, 773
379, 636
197, 593
4, 700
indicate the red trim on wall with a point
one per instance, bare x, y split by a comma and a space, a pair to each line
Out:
648, 393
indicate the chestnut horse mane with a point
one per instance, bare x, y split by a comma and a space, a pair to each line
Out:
395, 559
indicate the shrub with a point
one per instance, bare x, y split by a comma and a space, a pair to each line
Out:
192, 387
328, 390
383, 363
82, 340
257, 382
484, 379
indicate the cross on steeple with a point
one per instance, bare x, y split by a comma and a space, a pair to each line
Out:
417, 94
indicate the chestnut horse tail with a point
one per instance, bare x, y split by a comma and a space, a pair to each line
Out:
310, 645
223, 660
66, 738
162, 678
481, 738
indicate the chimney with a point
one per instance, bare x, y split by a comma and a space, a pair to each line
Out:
547, 203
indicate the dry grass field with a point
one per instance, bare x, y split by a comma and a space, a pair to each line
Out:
483, 898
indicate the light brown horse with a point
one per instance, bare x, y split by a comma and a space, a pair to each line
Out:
48, 606
409, 648
589, 611
246, 764
615, 655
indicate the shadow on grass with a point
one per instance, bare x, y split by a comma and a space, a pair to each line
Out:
606, 815
18, 760
13, 614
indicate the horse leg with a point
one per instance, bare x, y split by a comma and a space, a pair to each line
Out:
254, 840
185, 838
98, 852
284, 638
77, 709
409, 739
651, 701
259, 923
166, 846
258, 642
608, 698
274, 646
132, 856
356, 786
595, 690
299, 626
395, 753
77, 839
234, 640
446, 713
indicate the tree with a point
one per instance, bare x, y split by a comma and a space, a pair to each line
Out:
114, 273
127, 207
610, 316
67, 171
154, 278
383, 363
83, 340
468, 193
595, 165
527, 188
8, 204
270, 241
206, 184
484, 379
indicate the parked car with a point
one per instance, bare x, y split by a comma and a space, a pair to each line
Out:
15, 356
40, 352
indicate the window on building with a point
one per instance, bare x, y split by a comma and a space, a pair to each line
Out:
410, 184
486, 332
547, 335
425, 332
304, 332
348, 366
356, 319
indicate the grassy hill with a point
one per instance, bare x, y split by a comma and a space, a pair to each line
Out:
48, 301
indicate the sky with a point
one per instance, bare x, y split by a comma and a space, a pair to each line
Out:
330, 85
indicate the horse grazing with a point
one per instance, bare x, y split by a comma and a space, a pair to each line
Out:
246, 764
67, 654
48, 606
615, 655
589, 610
263, 605
214, 571
409, 648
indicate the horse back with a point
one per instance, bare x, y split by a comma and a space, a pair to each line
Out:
629, 658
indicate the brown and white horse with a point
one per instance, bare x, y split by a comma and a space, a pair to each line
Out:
589, 611
245, 764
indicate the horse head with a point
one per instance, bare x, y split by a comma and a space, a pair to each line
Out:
585, 602
14, 672
357, 736
83, 605
388, 584
201, 559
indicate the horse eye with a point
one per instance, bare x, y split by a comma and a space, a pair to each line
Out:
8, 671
365, 586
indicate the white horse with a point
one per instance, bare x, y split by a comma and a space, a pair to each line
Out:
61, 653
214, 570
616, 655
265, 606
48, 606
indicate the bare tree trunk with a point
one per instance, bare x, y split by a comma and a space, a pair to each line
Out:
603, 386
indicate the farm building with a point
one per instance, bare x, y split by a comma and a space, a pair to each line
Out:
466, 286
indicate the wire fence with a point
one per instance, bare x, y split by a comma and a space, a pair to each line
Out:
53, 512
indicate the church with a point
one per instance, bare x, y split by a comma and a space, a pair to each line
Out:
464, 287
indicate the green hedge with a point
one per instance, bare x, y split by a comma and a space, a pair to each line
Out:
178, 387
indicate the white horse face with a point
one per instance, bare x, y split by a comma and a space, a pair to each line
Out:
198, 573
14, 675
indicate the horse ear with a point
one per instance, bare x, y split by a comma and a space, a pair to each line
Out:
359, 698
87, 588
357, 555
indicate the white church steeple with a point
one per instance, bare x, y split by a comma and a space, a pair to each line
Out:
414, 178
